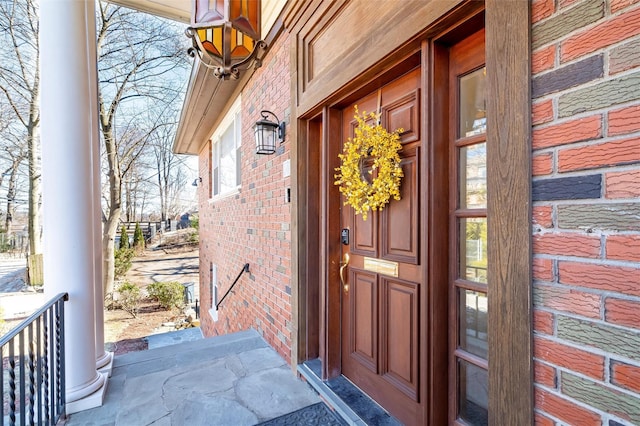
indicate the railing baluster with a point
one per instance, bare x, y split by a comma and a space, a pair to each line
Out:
45, 364
59, 349
32, 377
2, 386
39, 368
63, 366
12, 385
40, 360
22, 357
52, 367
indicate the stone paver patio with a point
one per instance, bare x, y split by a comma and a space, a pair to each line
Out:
236, 379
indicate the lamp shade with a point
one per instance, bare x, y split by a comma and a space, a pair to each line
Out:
266, 135
226, 35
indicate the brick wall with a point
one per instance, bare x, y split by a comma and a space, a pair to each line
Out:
252, 226
586, 211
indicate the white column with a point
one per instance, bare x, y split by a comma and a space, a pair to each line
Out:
103, 359
69, 131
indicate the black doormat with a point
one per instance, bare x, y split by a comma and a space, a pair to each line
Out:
316, 414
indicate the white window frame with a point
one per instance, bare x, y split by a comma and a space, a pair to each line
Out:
232, 122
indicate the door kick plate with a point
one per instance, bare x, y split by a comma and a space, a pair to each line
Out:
381, 266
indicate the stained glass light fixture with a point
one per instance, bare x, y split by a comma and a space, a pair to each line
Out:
226, 35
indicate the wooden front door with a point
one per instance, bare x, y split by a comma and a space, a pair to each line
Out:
382, 306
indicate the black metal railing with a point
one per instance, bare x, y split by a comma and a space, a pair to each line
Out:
33, 368
245, 268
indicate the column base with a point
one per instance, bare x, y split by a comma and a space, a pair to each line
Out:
92, 400
105, 363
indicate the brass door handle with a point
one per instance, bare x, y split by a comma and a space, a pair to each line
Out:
344, 264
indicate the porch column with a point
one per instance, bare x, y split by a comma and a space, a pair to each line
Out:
69, 120
104, 360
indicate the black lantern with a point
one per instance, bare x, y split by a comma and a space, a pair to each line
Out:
267, 132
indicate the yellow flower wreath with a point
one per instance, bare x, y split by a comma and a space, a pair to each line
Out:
375, 142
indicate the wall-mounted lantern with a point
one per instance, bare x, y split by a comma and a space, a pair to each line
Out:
226, 35
267, 132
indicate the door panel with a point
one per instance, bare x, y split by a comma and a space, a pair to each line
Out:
400, 347
404, 114
382, 303
364, 318
400, 219
365, 236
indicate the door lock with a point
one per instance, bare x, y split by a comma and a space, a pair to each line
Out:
344, 236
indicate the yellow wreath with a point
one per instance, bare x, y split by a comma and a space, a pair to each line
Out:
370, 141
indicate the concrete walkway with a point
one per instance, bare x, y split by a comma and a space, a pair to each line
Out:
235, 380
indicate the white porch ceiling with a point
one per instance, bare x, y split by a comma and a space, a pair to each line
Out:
178, 10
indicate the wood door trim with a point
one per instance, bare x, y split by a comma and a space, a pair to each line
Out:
330, 224
436, 101
509, 153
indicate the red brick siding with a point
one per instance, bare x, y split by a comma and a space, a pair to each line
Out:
569, 358
543, 216
624, 184
626, 376
543, 59
565, 410
622, 312
609, 31
567, 132
624, 120
542, 112
589, 272
252, 226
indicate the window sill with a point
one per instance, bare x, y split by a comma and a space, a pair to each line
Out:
224, 195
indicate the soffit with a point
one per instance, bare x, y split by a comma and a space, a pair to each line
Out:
204, 106
177, 10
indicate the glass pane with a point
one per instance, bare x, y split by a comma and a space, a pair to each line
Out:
473, 322
473, 177
473, 117
473, 399
473, 249
227, 161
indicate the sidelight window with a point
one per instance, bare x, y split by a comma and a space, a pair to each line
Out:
470, 277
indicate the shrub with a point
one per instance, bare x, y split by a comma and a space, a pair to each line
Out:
138, 238
124, 238
122, 264
129, 298
193, 237
169, 294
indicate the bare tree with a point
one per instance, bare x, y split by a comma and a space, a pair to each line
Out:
139, 59
12, 155
19, 86
170, 173
11, 171
137, 190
